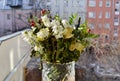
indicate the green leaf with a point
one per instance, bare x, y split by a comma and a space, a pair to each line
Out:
72, 18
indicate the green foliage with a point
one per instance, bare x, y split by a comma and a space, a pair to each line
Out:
62, 47
72, 18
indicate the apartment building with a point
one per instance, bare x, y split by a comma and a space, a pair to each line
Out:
103, 18
65, 8
116, 29
14, 14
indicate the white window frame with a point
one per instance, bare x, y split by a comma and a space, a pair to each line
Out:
100, 25
92, 3
91, 15
108, 3
100, 3
92, 25
107, 25
107, 15
100, 15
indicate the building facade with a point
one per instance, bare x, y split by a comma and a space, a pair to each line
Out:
14, 14
103, 18
65, 8
116, 29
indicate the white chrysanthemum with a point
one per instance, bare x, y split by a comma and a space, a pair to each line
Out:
43, 33
25, 36
55, 23
55, 29
58, 31
39, 48
60, 35
65, 23
46, 21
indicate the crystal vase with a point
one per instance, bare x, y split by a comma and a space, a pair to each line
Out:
58, 72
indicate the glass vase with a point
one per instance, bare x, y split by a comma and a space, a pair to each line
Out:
58, 72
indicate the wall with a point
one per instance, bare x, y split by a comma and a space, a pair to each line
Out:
14, 54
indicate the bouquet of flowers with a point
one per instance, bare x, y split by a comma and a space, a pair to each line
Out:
57, 40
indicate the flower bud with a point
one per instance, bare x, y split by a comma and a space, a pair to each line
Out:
32, 23
43, 12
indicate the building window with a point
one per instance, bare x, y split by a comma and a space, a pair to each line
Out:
31, 2
116, 9
66, 3
92, 3
48, 7
115, 39
76, 2
107, 25
107, 15
100, 25
100, 3
8, 16
91, 14
117, 3
100, 15
106, 38
92, 25
115, 32
48, 0
116, 19
19, 16
108, 3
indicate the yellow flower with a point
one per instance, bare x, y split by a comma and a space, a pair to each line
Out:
79, 46
68, 32
72, 47
76, 45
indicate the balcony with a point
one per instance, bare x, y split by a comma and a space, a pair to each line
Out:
15, 62
14, 54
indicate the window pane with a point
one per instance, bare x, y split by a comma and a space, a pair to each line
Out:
100, 3
8, 16
107, 25
91, 14
92, 3
108, 3
107, 15
100, 15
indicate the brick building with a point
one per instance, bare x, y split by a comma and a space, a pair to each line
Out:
103, 17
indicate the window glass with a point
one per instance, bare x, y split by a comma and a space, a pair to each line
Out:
92, 3
91, 14
100, 3
108, 3
107, 14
